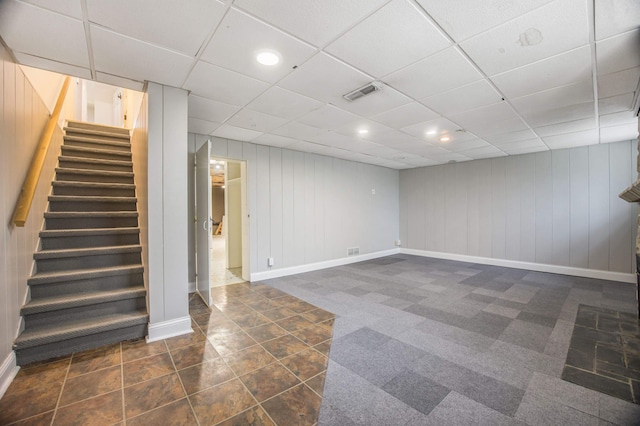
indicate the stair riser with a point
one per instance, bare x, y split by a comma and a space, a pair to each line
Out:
66, 151
91, 206
53, 350
91, 222
71, 135
94, 191
94, 144
87, 285
56, 243
85, 312
75, 177
64, 162
82, 262
91, 126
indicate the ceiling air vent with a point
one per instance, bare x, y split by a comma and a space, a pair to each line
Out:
374, 86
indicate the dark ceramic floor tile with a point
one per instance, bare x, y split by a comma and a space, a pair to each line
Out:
195, 354
318, 315
40, 375
598, 383
251, 320
301, 306
270, 292
610, 354
186, 340
324, 348
152, 394
610, 325
249, 359
96, 359
147, 368
635, 386
90, 385
279, 313
286, 299
18, 403
314, 334
297, 323
140, 349
580, 360
178, 413
297, 406
101, 410
284, 346
226, 345
317, 383
269, 381
306, 364
39, 420
205, 375
616, 372
236, 310
266, 332
221, 327
221, 402
260, 303
255, 416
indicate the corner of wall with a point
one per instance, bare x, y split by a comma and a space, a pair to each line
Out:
8, 370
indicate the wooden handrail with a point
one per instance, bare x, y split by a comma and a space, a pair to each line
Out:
23, 205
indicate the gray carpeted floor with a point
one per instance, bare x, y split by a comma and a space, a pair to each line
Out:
434, 342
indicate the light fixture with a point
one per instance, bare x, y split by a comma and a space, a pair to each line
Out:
268, 57
363, 131
432, 132
222, 187
217, 166
445, 139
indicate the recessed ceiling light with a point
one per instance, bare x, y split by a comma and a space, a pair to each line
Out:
445, 139
432, 132
268, 57
363, 131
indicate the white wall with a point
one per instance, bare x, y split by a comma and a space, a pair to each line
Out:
557, 207
307, 208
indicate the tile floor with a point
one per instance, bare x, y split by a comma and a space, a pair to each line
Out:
259, 357
219, 275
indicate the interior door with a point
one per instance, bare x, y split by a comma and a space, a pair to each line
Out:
203, 222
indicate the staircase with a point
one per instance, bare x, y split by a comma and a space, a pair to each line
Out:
88, 288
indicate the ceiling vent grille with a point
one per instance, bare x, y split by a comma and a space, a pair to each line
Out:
374, 86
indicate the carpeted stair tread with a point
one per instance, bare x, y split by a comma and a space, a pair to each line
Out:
80, 274
96, 141
82, 149
86, 160
99, 185
49, 304
81, 125
92, 198
70, 170
56, 233
103, 133
87, 326
93, 251
58, 215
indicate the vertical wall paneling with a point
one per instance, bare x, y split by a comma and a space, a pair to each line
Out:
219, 147
249, 154
288, 248
561, 199
620, 227
543, 208
299, 212
439, 205
275, 203
461, 210
403, 195
310, 208
263, 221
498, 217
234, 150
320, 195
5, 298
527, 208
484, 208
599, 207
512, 207
451, 219
416, 210
473, 208
579, 193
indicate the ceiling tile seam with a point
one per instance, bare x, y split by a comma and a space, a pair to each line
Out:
594, 62
539, 60
10, 51
87, 36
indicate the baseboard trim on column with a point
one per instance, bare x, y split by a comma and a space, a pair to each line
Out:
171, 328
8, 371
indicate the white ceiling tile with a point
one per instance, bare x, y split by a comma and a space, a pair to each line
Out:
618, 53
201, 127
127, 57
402, 166
47, 64
462, 19
180, 26
306, 146
324, 78
503, 138
437, 73
274, 140
560, 115
529, 150
618, 83
119, 81
363, 129
339, 141
405, 115
419, 38
328, 117
207, 109
465, 98
381, 151
298, 131
71, 8
615, 17
316, 22
378, 102
623, 117
223, 85
39, 32
257, 121
621, 132
484, 118
231, 132
551, 29
421, 161
394, 139
458, 146
484, 152
571, 140
283, 103
448, 156
489, 128
566, 127
517, 147
240, 38
559, 70
615, 104
432, 131
554, 98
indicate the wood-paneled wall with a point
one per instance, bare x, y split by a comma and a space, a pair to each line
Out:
555, 207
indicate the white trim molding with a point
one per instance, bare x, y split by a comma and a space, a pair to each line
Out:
8, 371
283, 272
539, 267
171, 328
192, 286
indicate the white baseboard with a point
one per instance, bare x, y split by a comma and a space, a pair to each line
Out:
539, 267
192, 286
171, 328
8, 371
283, 272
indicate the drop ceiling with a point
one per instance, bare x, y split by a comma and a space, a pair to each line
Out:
495, 77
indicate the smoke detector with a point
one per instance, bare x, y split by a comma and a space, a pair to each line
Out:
374, 86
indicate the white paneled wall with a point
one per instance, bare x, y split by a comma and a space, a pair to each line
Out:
556, 207
307, 208
23, 116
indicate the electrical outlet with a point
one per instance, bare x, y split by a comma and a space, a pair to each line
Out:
373, 192
269, 261
398, 243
